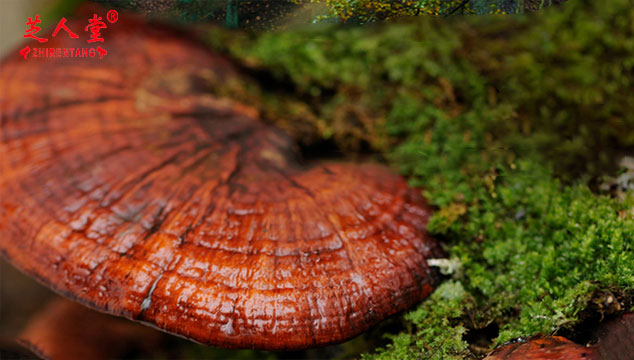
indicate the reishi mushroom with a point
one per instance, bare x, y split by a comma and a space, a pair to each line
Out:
546, 348
127, 186
611, 340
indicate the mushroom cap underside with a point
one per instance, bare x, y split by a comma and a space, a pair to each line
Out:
124, 184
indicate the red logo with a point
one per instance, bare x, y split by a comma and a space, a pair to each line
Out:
94, 27
30, 33
112, 16
62, 26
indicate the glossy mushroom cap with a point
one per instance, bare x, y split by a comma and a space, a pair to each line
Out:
546, 348
612, 340
125, 185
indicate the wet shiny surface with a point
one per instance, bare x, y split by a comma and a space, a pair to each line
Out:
126, 186
547, 348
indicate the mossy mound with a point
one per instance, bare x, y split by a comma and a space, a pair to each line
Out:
557, 82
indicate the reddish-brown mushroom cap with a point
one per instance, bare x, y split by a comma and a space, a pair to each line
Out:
612, 340
546, 348
126, 186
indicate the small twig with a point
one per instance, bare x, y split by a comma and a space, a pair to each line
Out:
462, 4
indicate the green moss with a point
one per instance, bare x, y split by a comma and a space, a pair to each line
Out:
441, 336
533, 253
557, 82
